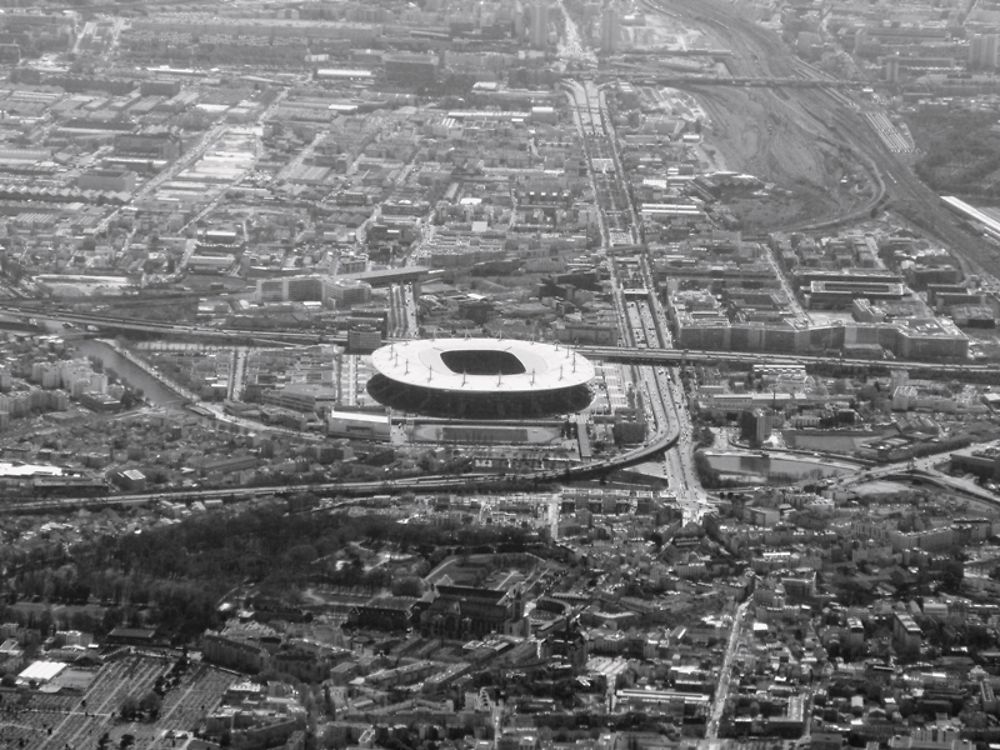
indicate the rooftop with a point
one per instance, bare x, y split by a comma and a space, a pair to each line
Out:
41, 671
483, 365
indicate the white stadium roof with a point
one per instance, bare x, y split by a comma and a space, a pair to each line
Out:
453, 365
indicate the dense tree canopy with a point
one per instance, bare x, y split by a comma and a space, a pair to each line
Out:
961, 151
174, 576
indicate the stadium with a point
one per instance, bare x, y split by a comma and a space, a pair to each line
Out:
480, 378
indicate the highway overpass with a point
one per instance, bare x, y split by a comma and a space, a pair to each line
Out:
625, 355
156, 328
459, 483
673, 357
645, 78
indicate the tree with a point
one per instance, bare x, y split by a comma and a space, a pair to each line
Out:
974, 719
408, 586
150, 705
129, 708
301, 554
951, 575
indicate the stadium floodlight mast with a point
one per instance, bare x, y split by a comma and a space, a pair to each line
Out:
481, 378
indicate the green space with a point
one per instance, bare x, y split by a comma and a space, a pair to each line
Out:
961, 151
173, 577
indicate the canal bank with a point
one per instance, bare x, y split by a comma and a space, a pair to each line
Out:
154, 390
773, 467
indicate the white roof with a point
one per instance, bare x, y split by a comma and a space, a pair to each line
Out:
972, 212
8, 469
357, 416
41, 671
544, 367
344, 73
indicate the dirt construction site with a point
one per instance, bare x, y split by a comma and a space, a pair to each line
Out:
781, 136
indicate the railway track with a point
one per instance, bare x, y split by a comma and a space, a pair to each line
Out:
760, 53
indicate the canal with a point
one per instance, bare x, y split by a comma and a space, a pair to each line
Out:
154, 391
775, 468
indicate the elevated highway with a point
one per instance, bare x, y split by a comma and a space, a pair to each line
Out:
626, 355
645, 78
694, 356
31, 313
473, 482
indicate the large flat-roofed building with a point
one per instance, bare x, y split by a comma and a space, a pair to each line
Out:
837, 294
363, 338
931, 738
983, 462
109, 180
40, 672
156, 144
806, 276
907, 338
312, 288
481, 378
358, 425
411, 69
344, 74
311, 398
661, 701
930, 338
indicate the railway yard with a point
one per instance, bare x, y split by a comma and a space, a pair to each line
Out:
235, 517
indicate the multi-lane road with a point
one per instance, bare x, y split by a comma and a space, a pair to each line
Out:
641, 318
757, 55
925, 470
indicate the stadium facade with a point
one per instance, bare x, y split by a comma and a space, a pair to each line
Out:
481, 379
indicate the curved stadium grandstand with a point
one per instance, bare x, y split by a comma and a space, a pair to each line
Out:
481, 378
